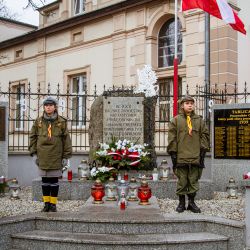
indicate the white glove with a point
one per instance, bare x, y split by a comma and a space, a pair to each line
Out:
35, 159
66, 164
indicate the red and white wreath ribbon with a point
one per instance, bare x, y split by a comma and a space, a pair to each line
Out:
131, 156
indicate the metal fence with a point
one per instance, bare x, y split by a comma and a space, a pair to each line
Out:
25, 105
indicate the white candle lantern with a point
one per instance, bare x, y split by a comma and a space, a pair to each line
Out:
14, 189
83, 170
164, 170
232, 189
133, 190
111, 190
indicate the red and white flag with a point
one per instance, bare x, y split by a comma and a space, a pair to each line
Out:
218, 8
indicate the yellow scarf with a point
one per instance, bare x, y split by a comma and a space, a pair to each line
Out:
49, 131
189, 124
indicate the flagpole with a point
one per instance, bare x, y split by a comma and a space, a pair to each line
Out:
207, 64
175, 107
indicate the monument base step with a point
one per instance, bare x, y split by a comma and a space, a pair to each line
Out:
60, 240
81, 190
105, 226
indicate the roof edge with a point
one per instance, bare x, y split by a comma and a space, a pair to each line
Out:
76, 20
18, 22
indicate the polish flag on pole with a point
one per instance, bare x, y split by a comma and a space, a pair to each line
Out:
218, 8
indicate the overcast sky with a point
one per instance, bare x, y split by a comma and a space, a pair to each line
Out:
24, 15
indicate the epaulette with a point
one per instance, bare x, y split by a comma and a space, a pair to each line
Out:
63, 118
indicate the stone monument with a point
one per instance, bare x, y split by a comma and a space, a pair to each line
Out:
128, 114
123, 115
3, 139
123, 118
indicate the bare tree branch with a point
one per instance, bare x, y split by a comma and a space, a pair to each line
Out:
7, 13
35, 4
4, 11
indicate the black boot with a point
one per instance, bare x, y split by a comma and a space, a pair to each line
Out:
191, 204
181, 206
53, 208
46, 207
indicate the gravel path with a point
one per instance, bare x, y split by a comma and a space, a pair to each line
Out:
25, 205
219, 206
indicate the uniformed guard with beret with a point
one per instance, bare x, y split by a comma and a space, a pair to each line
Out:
188, 142
50, 146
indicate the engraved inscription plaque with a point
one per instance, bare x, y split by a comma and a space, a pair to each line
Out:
2, 123
123, 119
232, 133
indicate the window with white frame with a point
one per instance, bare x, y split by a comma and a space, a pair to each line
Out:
78, 6
78, 103
166, 44
19, 106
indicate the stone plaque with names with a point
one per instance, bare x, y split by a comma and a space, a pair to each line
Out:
123, 119
2, 123
232, 133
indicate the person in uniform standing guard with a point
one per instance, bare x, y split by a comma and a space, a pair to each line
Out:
50, 147
188, 142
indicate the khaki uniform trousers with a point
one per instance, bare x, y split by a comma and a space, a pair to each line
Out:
188, 179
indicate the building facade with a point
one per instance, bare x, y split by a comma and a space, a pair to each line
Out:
243, 47
107, 41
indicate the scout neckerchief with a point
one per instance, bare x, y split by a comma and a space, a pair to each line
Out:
49, 131
50, 119
189, 124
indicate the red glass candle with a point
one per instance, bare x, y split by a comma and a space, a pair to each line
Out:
125, 177
144, 193
70, 175
97, 192
122, 205
246, 176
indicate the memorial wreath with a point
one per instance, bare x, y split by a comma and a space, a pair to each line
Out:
123, 154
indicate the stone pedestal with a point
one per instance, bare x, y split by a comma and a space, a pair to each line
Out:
80, 190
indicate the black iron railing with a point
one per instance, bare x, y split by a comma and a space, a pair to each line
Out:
25, 105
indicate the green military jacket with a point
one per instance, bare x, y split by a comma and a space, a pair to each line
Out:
50, 152
185, 146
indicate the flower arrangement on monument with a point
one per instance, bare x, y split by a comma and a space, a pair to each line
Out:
102, 173
123, 154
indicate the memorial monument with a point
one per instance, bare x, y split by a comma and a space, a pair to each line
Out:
123, 118
123, 115
126, 114
230, 143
